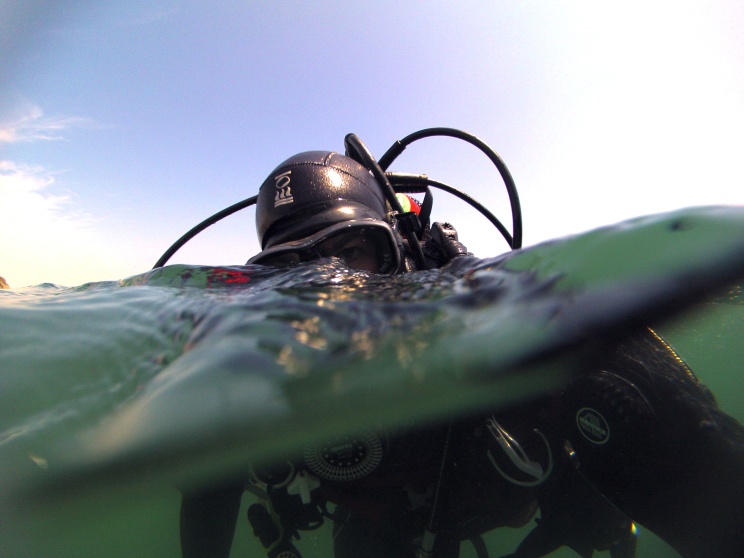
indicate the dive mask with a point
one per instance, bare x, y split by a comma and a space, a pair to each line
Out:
366, 244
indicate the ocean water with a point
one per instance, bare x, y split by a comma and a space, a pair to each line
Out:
114, 394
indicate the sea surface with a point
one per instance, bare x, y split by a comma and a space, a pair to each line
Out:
113, 394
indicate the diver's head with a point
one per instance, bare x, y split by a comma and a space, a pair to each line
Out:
322, 204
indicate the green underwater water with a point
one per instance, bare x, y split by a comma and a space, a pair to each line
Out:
112, 394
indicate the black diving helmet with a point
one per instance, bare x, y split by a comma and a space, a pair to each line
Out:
322, 204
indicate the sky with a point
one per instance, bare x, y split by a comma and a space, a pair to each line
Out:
122, 125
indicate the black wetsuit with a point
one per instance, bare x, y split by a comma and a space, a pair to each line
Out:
633, 435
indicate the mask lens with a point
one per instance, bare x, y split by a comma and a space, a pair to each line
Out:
368, 248
360, 249
278, 259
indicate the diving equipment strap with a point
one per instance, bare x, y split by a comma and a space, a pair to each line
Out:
518, 456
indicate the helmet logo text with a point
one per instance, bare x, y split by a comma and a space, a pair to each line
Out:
283, 191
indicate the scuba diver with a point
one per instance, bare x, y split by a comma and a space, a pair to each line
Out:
633, 437
322, 204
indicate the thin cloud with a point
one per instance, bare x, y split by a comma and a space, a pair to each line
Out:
40, 219
26, 198
45, 236
27, 123
26, 188
22, 178
48, 238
